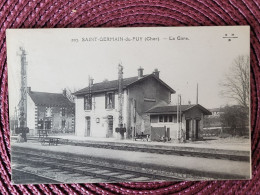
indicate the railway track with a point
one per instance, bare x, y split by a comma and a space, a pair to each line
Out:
26, 177
61, 169
73, 168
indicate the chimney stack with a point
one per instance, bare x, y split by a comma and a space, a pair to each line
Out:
64, 92
156, 73
140, 72
29, 89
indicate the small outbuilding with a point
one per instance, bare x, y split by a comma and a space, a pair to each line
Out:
187, 124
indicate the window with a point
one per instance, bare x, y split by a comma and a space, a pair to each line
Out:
88, 102
48, 112
161, 119
170, 118
165, 118
63, 111
110, 101
63, 122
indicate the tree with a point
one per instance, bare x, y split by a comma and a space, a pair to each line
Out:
236, 83
235, 120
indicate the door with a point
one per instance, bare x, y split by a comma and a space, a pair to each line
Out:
197, 129
168, 133
40, 124
87, 126
47, 124
187, 129
110, 126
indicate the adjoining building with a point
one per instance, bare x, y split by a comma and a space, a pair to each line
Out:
49, 111
189, 121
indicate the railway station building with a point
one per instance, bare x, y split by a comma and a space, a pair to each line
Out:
96, 108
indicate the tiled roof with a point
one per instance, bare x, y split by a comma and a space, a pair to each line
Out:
173, 109
50, 99
113, 85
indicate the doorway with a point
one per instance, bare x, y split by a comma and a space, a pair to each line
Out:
110, 126
187, 129
87, 126
40, 124
47, 125
197, 129
168, 134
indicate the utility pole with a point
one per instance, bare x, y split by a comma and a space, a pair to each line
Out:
23, 95
179, 119
120, 128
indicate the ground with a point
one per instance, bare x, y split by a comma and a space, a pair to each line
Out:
131, 160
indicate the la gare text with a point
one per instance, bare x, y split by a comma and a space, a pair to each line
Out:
129, 39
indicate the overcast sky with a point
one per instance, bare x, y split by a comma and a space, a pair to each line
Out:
56, 62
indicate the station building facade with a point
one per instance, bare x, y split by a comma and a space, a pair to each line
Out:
96, 106
146, 104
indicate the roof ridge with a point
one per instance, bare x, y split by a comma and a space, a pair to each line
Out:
45, 92
117, 79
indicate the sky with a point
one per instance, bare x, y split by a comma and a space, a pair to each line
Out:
185, 56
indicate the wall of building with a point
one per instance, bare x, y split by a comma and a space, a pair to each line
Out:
79, 116
98, 116
172, 126
56, 119
31, 115
147, 94
148, 89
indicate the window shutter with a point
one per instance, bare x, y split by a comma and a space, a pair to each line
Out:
113, 100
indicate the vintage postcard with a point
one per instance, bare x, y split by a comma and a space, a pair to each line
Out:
95, 105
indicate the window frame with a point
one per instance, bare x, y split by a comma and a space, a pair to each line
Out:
110, 96
87, 104
161, 118
63, 111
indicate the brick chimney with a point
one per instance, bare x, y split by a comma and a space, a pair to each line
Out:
64, 92
156, 72
140, 72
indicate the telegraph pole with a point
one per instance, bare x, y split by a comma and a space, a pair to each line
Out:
23, 95
120, 128
179, 119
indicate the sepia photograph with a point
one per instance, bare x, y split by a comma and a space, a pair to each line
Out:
109, 105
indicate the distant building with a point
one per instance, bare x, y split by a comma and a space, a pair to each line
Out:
50, 111
213, 121
216, 112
